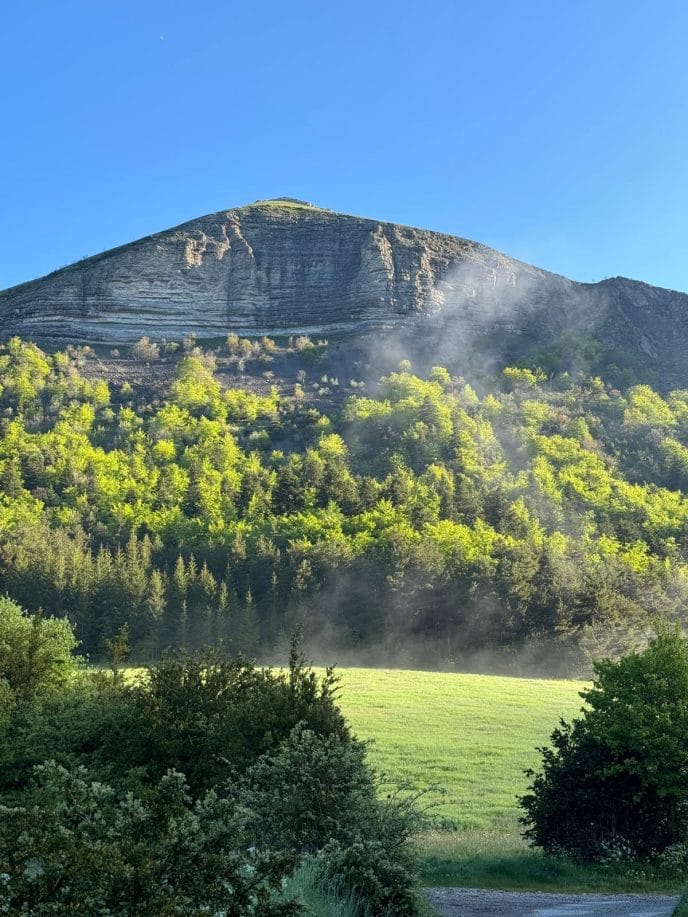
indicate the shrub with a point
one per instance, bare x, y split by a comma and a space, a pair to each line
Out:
613, 781
317, 793
303, 342
213, 734
145, 349
85, 849
84, 723
309, 790
210, 715
367, 869
207, 715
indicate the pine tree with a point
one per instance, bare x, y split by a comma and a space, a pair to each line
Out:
207, 585
173, 625
101, 619
271, 632
133, 576
220, 621
156, 605
179, 580
182, 640
11, 481
249, 633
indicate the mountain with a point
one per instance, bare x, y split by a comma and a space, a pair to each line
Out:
284, 267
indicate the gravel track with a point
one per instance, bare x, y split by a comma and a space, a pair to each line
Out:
476, 902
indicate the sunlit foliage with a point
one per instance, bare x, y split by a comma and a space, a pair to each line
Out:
423, 518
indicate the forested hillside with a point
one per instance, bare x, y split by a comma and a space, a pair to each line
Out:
533, 524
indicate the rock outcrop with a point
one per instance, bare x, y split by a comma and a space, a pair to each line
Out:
283, 267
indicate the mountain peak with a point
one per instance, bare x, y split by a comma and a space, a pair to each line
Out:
286, 200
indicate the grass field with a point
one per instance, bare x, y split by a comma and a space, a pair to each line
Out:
472, 734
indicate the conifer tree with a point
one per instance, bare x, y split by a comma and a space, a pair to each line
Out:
249, 633
156, 606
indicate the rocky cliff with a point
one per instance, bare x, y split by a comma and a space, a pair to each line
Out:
283, 267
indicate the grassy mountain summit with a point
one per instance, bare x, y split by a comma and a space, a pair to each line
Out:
285, 267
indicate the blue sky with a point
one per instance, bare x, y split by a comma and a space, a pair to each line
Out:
554, 131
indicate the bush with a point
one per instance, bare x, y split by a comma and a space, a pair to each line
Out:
317, 793
367, 869
212, 716
86, 850
309, 790
83, 724
146, 350
207, 715
613, 784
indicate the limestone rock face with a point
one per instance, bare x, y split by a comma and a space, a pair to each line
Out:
275, 267
282, 267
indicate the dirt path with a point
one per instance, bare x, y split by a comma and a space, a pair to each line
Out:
475, 902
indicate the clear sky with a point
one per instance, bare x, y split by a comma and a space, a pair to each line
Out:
554, 130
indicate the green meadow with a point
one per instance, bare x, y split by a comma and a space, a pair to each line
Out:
472, 735
470, 738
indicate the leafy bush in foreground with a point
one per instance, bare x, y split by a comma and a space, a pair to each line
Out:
374, 872
613, 784
207, 715
316, 793
211, 715
82, 848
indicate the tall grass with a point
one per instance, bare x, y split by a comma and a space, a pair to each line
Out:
322, 900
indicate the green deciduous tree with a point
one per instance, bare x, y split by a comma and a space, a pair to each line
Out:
36, 653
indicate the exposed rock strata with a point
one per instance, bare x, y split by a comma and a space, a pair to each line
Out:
281, 268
